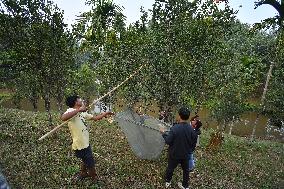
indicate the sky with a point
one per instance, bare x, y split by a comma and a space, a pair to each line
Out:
246, 14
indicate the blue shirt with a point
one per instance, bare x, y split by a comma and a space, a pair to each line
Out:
181, 140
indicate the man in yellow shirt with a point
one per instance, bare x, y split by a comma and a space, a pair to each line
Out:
80, 135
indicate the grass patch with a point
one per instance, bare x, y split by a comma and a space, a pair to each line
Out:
4, 96
28, 163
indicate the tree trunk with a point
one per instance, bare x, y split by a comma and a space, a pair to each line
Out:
231, 128
34, 100
59, 99
267, 128
47, 105
224, 126
17, 102
262, 100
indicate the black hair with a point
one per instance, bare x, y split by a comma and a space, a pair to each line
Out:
198, 124
71, 100
196, 117
184, 113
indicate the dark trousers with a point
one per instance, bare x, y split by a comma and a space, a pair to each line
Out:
86, 155
172, 164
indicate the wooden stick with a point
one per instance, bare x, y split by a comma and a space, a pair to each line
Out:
54, 129
95, 101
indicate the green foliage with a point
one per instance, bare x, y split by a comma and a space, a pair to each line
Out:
195, 54
35, 49
274, 106
4, 96
92, 27
83, 82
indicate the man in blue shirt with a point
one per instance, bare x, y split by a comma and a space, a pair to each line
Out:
182, 141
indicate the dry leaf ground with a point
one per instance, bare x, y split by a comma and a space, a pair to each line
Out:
28, 163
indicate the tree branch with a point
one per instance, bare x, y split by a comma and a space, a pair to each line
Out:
274, 3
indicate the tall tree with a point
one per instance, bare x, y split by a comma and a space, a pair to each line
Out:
40, 46
275, 61
97, 31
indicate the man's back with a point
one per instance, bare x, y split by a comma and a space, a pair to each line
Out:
181, 140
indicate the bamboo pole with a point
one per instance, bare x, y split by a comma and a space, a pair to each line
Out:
94, 102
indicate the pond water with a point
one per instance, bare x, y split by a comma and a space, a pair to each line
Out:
243, 127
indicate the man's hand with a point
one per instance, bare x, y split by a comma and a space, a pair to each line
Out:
83, 108
109, 113
162, 129
102, 115
109, 117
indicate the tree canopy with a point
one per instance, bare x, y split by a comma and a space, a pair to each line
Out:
195, 54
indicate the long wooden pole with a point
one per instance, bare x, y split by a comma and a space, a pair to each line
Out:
94, 102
